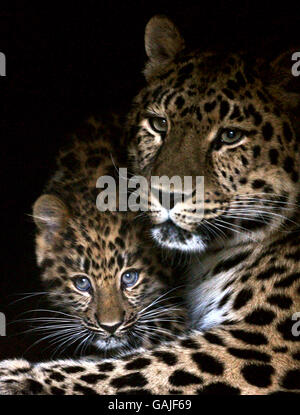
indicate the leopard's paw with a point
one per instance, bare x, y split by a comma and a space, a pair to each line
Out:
10, 386
15, 377
21, 385
14, 367
14, 364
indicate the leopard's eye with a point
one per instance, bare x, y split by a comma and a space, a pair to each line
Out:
231, 135
129, 278
82, 283
158, 124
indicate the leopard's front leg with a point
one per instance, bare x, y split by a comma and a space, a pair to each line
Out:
58, 377
222, 360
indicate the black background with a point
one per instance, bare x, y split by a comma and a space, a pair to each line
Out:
68, 60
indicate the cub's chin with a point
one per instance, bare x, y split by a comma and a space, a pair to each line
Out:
170, 236
116, 345
111, 343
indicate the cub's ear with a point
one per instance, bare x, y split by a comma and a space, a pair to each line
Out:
162, 43
50, 215
282, 76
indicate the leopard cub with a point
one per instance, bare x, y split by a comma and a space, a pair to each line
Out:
107, 281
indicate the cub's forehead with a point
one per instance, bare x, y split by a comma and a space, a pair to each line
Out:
105, 234
106, 251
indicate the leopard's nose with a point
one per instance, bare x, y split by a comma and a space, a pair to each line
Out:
169, 199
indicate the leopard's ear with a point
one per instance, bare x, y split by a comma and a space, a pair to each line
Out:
282, 77
50, 215
162, 43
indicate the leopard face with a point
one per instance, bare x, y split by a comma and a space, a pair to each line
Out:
225, 118
105, 279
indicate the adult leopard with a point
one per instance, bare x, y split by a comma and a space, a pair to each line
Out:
233, 122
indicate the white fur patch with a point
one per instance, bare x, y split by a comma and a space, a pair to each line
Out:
193, 244
206, 290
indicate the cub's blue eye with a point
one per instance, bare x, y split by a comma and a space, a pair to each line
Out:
82, 283
129, 278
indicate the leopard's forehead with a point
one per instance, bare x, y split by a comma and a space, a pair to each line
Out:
202, 88
203, 74
207, 67
200, 92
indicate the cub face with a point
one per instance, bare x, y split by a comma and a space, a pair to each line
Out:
227, 119
104, 275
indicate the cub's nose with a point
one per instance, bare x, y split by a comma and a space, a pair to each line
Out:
110, 328
110, 325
